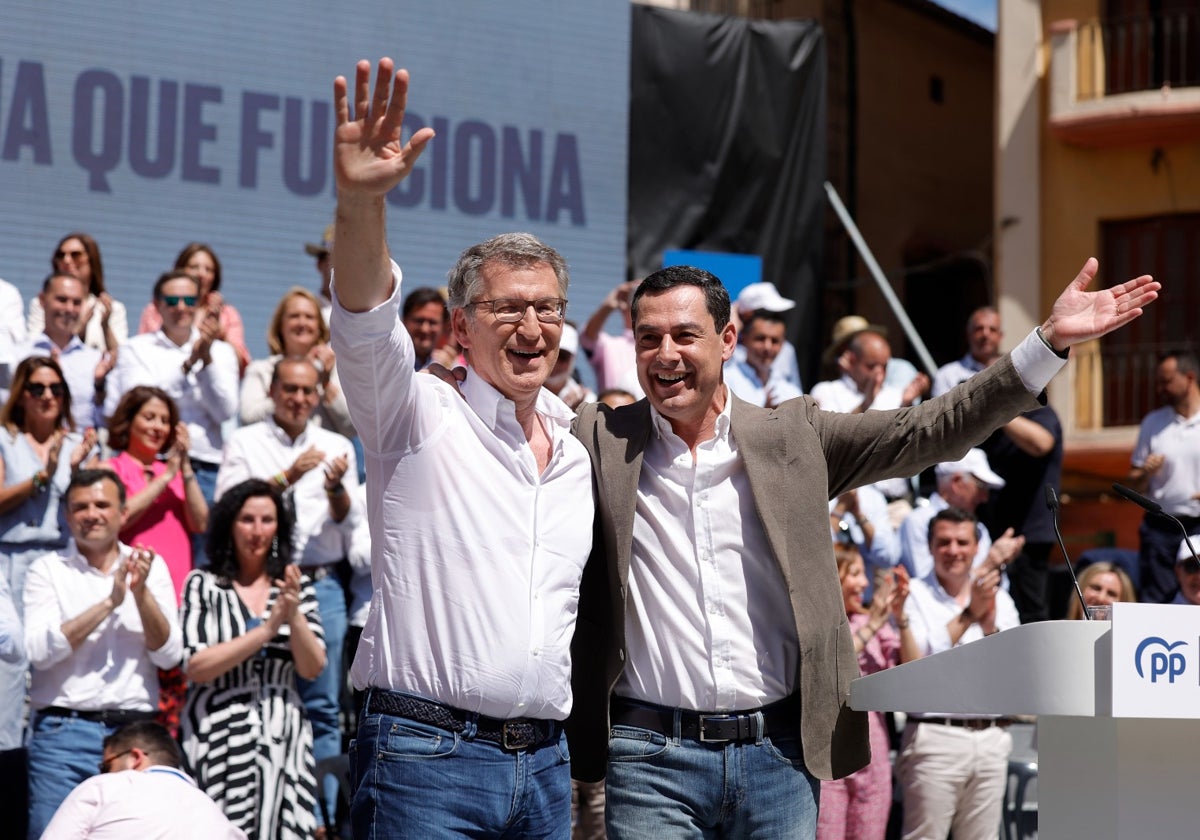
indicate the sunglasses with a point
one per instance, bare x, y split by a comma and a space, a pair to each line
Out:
107, 763
38, 389
174, 300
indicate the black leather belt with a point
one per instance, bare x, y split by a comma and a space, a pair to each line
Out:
966, 723
515, 734
709, 727
109, 717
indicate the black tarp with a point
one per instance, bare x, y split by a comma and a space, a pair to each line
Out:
727, 147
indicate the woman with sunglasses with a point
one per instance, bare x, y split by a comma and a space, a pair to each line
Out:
103, 323
39, 449
200, 260
297, 329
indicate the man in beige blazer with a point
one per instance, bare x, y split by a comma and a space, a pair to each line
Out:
712, 658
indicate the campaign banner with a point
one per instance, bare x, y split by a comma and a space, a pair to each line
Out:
149, 126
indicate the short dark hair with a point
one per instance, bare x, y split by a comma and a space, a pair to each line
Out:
951, 514
174, 274
54, 275
150, 737
716, 296
88, 477
1185, 361
419, 297
291, 360
763, 315
221, 554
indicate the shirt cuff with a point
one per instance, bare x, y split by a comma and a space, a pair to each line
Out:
1036, 363
364, 327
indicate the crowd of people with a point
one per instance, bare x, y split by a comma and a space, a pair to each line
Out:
680, 571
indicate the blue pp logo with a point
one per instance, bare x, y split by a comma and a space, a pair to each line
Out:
1166, 662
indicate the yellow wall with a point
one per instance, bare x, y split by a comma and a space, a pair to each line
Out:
1081, 187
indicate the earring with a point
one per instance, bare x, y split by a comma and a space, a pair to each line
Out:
274, 548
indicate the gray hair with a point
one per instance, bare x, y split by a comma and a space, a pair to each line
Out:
511, 250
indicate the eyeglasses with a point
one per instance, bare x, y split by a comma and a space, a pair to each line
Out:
175, 300
1190, 566
38, 389
511, 310
291, 388
106, 764
73, 255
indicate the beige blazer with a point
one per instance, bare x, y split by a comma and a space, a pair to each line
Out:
797, 457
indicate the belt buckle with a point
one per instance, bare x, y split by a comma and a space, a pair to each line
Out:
518, 743
704, 719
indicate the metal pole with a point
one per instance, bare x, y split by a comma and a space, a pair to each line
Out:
881, 280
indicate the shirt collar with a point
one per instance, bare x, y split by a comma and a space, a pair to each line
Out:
663, 430
44, 342
165, 341
76, 559
283, 437
493, 407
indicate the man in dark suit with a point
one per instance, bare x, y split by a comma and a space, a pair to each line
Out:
712, 659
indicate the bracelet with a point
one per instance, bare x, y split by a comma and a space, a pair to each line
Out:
189, 476
902, 623
280, 478
39, 481
1062, 354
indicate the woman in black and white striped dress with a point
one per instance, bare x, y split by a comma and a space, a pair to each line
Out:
250, 626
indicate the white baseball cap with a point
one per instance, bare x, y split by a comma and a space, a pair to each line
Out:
569, 343
763, 296
974, 463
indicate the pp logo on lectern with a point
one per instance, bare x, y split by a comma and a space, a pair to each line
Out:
1166, 662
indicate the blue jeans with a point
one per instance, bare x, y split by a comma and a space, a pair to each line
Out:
206, 480
322, 696
411, 779
668, 787
63, 751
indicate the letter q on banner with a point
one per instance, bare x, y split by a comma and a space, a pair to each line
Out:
1156, 661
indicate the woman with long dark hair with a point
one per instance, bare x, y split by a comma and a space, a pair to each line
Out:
103, 323
250, 626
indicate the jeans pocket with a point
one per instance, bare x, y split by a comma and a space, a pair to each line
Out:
785, 748
631, 743
400, 738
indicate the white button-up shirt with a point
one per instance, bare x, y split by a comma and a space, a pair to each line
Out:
475, 556
949, 375
1175, 485
112, 669
708, 621
262, 450
742, 378
207, 397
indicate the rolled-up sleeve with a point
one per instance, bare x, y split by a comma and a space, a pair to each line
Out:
163, 592
45, 643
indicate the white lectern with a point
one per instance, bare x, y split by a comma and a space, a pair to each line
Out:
1118, 707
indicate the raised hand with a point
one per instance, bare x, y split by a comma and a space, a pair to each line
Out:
81, 451
138, 567
307, 459
1079, 315
335, 470
288, 600
368, 157
119, 583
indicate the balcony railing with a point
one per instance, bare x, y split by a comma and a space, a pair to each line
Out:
1139, 52
1130, 80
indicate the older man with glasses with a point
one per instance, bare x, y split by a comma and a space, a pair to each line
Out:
480, 516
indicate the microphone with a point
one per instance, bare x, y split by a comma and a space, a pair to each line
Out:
1052, 504
1151, 506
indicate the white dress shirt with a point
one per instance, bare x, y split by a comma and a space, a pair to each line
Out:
930, 608
263, 450
949, 375
159, 803
785, 366
112, 668
708, 619
1175, 485
207, 396
475, 556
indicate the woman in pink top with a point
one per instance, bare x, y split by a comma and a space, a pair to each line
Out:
165, 504
200, 261
857, 807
